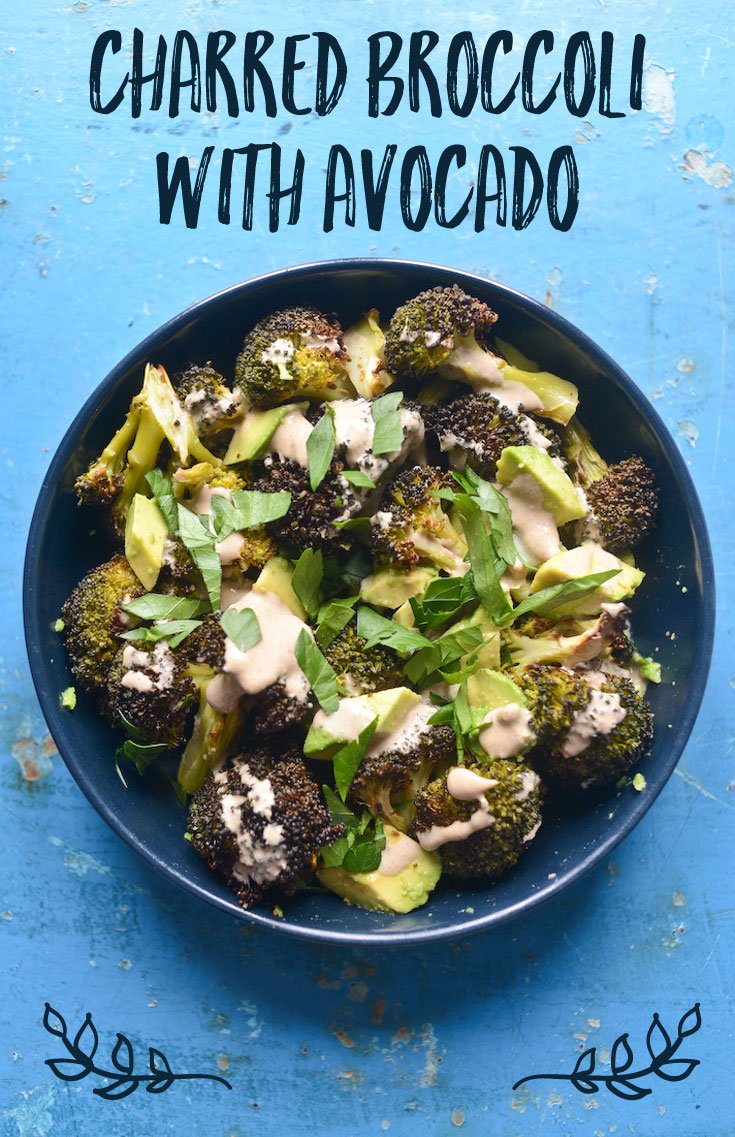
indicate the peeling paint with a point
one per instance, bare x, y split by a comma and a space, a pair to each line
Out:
79, 863
689, 431
659, 98
711, 170
33, 757
433, 1059
32, 1117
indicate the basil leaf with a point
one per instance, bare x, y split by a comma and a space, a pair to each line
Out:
444, 716
153, 606
348, 759
200, 542
332, 856
320, 448
173, 631
443, 598
140, 754
377, 629
362, 857
359, 479
496, 505
487, 566
547, 600
307, 578
162, 488
340, 812
447, 649
354, 525
320, 675
388, 436
253, 507
333, 618
241, 626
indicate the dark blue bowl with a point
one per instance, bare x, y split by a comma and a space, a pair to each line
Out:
674, 609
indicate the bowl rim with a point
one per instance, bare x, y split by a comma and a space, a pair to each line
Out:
700, 666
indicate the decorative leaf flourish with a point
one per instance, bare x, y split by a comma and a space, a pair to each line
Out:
122, 1079
622, 1081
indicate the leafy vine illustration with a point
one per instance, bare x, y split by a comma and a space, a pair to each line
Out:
622, 1080
122, 1079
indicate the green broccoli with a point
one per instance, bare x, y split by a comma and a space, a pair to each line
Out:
93, 619
360, 671
412, 526
205, 395
476, 428
434, 328
153, 692
313, 514
387, 783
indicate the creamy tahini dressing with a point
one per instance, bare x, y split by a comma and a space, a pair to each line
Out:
406, 734
280, 351
507, 731
464, 785
290, 438
159, 668
346, 723
260, 859
399, 852
229, 550
202, 502
603, 713
536, 437
273, 658
533, 525
485, 372
354, 429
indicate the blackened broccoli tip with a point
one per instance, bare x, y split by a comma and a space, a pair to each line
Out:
387, 783
624, 504
205, 646
310, 521
93, 619
260, 823
275, 710
534, 640
412, 527
513, 813
423, 332
474, 429
150, 687
205, 394
360, 671
297, 352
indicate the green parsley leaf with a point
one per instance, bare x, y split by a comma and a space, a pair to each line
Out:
68, 699
333, 618
155, 606
200, 541
377, 629
341, 813
242, 627
359, 479
364, 856
173, 631
354, 525
320, 675
320, 448
547, 600
487, 565
307, 578
348, 758
388, 437
162, 488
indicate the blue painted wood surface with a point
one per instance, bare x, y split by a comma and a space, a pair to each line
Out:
338, 1040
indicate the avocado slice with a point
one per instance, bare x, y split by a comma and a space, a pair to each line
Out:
354, 714
491, 689
558, 495
588, 558
146, 533
402, 891
252, 435
389, 588
275, 577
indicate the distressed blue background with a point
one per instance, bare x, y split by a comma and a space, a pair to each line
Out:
338, 1040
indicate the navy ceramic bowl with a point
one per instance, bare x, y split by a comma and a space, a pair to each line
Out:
674, 609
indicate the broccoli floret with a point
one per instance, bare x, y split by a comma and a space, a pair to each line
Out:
387, 784
360, 671
179, 575
294, 353
412, 526
555, 695
476, 428
205, 646
207, 398
260, 823
624, 504
214, 731
571, 642
585, 464
364, 342
193, 480
434, 328
310, 521
509, 818
153, 691
274, 710
156, 416
93, 620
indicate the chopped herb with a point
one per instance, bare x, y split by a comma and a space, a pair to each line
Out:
547, 600
173, 631
348, 758
162, 488
354, 525
487, 565
200, 541
333, 618
359, 479
443, 599
247, 509
58, 625
307, 578
68, 699
320, 448
376, 629
153, 606
424, 664
320, 675
241, 626
388, 436
141, 755
639, 783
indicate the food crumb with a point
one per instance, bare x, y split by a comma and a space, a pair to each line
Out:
639, 783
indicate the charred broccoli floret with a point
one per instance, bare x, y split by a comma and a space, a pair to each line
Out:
294, 353
476, 428
179, 575
500, 822
94, 619
555, 696
206, 644
191, 481
310, 521
260, 823
275, 710
624, 504
585, 464
437, 328
207, 398
153, 691
387, 784
360, 671
570, 642
412, 526
155, 416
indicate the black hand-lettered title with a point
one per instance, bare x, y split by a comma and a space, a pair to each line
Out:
307, 74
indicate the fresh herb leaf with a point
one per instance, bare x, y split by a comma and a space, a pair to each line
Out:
332, 618
443, 598
444, 716
307, 578
141, 755
153, 606
320, 448
377, 629
173, 631
547, 600
68, 699
333, 855
441, 653
247, 509
487, 565
341, 813
320, 675
348, 758
364, 856
200, 541
345, 576
242, 627
354, 525
358, 478
162, 488
388, 436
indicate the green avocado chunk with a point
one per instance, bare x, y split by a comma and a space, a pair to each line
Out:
253, 434
275, 577
401, 891
491, 689
146, 533
354, 714
558, 495
390, 588
586, 559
